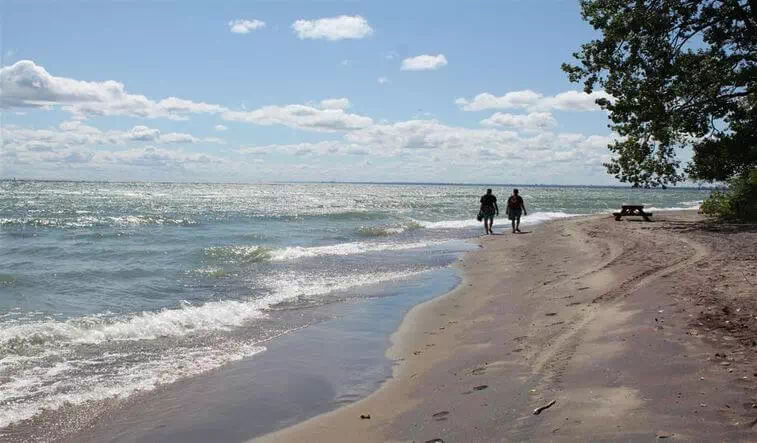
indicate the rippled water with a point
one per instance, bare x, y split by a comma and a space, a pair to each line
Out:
111, 288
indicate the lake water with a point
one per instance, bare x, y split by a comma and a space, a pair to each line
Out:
107, 289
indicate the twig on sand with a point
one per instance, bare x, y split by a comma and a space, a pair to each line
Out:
745, 278
538, 410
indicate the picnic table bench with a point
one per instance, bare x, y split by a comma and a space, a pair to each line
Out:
632, 210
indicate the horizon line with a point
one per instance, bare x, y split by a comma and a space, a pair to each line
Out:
14, 179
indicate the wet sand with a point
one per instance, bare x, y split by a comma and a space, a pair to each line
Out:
635, 330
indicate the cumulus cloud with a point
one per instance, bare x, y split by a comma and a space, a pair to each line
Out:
534, 121
534, 101
28, 85
335, 103
333, 28
74, 136
156, 157
425, 135
428, 142
220, 128
424, 62
308, 149
245, 26
303, 117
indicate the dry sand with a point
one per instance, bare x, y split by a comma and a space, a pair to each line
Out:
636, 330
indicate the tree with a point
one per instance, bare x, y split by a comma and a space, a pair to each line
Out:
681, 73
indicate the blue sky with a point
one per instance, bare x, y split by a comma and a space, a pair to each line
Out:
366, 91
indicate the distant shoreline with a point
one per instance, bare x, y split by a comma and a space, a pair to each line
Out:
264, 183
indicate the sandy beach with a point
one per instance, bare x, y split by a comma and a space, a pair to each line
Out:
634, 330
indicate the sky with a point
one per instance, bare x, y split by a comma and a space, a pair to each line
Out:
263, 91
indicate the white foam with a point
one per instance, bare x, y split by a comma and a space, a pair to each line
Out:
187, 319
38, 389
352, 248
291, 285
690, 205
537, 217
540, 217
449, 224
33, 388
220, 315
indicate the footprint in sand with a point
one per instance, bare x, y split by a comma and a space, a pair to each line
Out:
476, 388
440, 416
574, 303
550, 314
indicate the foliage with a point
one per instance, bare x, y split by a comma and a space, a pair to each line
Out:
680, 73
738, 202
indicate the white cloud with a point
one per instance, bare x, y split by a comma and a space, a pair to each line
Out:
391, 55
333, 28
143, 133
534, 101
414, 135
156, 157
532, 122
73, 136
424, 62
302, 117
415, 141
245, 26
297, 149
335, 103
177, 137
383, 80
28, 85
345, 63
220, 128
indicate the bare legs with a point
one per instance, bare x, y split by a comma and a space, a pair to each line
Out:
488, 222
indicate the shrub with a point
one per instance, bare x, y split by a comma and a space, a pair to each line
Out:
738, 202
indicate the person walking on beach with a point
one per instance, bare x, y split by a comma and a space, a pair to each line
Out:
488, 210
515, 206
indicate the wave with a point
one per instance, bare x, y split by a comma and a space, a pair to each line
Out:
353, 248
292, 285
7, 280
387, 230
689, 206
185, 320
211, 272
50, 363
540, 217
91, 221
78, 381
238, 254
536, 217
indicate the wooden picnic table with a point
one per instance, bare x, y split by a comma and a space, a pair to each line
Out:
632, 210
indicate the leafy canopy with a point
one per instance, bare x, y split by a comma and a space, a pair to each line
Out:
681, 73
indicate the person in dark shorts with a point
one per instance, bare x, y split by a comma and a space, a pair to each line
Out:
488, 210
515, 207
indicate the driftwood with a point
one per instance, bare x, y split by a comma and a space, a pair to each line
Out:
538, 410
